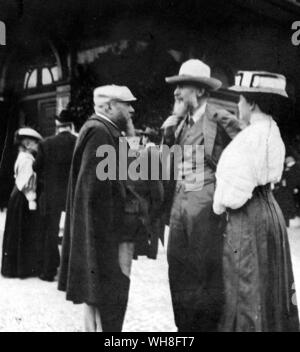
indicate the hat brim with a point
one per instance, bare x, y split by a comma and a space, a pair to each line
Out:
124, 100
206, 82
23, 136
28, 133
259, 91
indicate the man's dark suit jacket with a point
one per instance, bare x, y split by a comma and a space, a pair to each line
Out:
52, 166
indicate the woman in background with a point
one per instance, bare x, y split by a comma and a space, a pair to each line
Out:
20, 241
257, 268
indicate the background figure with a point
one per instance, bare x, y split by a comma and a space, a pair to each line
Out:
144, 199
52, 166
20, 241
287, 191
195, 239
96, 253
149, 137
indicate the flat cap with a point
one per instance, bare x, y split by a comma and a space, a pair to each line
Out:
107, 93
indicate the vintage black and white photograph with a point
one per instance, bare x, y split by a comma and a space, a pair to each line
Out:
149, 167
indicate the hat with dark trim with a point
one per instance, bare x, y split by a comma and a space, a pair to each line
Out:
260, 82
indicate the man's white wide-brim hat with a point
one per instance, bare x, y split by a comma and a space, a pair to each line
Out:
260, 82
197, 73
28, 132
107, 93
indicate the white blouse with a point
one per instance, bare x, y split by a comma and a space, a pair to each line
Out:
254, 158
25, 177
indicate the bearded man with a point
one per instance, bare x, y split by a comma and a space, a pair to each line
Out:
195, 238
96, 252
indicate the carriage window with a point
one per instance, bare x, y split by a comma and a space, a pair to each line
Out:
46, 76
31, 81
54, 71
40, 76
26, 80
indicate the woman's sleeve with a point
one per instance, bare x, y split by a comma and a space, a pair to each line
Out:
236, 175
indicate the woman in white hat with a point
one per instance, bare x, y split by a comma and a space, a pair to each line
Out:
257, 269
20, 245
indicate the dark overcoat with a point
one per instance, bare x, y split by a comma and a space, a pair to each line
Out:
52, 166
90, 271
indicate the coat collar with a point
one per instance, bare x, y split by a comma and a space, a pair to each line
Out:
113, 128
209, 129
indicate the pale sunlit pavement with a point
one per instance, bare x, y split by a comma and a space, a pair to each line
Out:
35, 305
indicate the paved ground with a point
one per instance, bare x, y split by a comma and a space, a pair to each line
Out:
34, 305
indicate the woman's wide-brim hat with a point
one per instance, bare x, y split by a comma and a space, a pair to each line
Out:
28, 132
260, 83
197, 73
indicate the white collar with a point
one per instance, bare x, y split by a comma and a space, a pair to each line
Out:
199, 113
259, 116
25, 155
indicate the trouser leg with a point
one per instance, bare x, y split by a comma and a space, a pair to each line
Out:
110, 316
92, 321
50, 251
195, 259
126, 251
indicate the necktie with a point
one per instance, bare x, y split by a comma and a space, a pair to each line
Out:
191, 121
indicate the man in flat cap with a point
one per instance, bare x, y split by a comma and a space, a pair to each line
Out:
52, 166
95, 259
195, 239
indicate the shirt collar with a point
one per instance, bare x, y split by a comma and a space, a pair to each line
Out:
199, 113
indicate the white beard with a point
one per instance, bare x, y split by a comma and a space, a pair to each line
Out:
180, 108
130, 131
